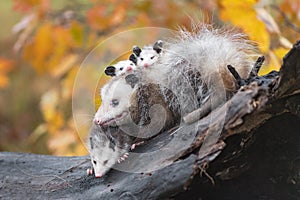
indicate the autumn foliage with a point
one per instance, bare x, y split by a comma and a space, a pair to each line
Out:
51, 41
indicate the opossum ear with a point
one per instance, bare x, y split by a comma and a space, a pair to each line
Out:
133, 58
91, 143
132, 80
158, 46
110, 71
136, 50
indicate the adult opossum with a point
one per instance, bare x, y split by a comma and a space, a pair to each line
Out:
132, 110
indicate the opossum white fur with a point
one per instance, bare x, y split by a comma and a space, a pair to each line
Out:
120, 68
115, 102
148, 55
196, 64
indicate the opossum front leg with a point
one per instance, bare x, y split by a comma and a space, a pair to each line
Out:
133, 146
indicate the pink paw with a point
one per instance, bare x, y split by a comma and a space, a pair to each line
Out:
90, 171
122, 158
136, 144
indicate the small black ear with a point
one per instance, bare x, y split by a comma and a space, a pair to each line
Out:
91, 143
158, 46
132, 80
110, 71
136, 50
133, 58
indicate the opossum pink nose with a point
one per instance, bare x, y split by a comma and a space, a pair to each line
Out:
129, 69
97, 121
146, 65
98, 175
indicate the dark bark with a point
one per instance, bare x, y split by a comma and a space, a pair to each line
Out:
256, 154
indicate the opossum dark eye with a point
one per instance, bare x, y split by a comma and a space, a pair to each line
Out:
105, 162
115, 102
121, 68
131, 64
152, 57
142, 58
94, 161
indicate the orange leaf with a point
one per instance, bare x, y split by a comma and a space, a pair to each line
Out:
5, 67
27, 5
38, 51
97, 18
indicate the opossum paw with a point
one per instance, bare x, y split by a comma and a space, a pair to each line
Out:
90, 171
135, 145
122, 158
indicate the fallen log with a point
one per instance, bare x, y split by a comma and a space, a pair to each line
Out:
249, 148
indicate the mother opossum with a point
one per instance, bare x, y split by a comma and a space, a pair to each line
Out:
132, 110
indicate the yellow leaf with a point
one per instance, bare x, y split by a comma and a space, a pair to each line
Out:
49, 107
65, 65
268, 20
243, 14
68, 83
275, 57
39, 50
280, 52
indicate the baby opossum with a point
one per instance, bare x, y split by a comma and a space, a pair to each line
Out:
147, 56
120, 68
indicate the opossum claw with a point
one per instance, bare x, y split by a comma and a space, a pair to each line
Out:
122, 158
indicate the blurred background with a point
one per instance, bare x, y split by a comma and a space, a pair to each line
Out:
44, 42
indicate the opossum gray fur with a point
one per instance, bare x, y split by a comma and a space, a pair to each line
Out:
197, 62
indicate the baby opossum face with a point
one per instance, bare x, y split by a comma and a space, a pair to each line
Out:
120, 68
148, 55
115, 103
147, 58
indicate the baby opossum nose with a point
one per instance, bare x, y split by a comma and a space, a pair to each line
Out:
129, 68
146, 65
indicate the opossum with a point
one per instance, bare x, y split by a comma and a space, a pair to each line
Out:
148, 55
107, 146
126, 117
120, 68
190, 74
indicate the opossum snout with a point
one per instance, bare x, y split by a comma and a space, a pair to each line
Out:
97, 121
129, 68
146, 65
98, 175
